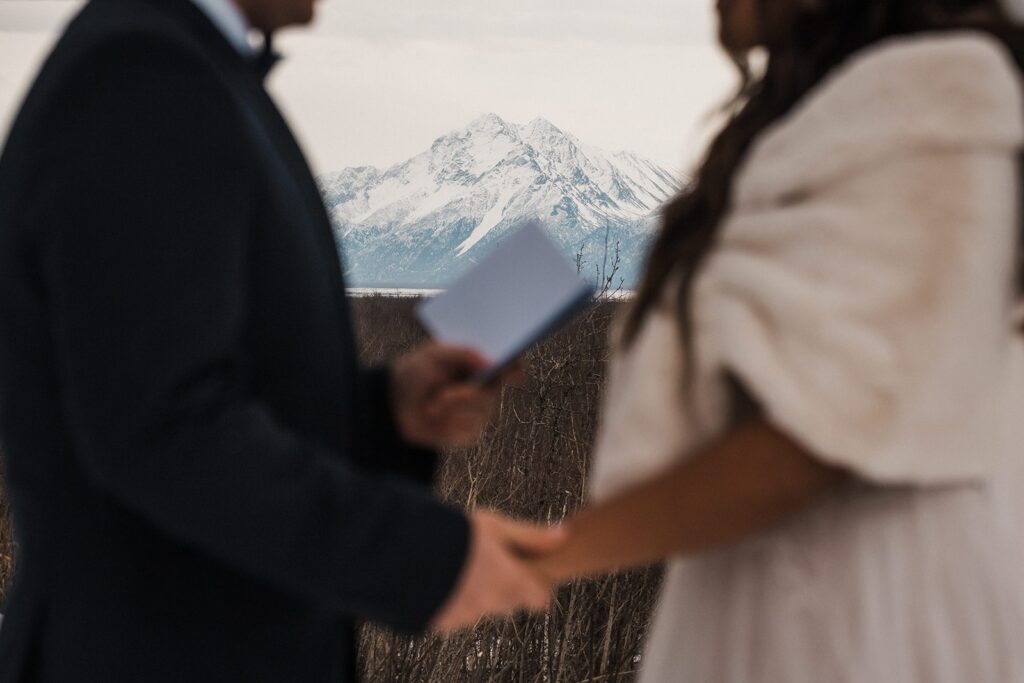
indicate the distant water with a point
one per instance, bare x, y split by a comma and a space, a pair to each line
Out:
366, 292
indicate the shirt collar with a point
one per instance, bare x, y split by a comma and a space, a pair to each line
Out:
228, 18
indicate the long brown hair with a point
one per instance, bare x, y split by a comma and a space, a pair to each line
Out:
812, 43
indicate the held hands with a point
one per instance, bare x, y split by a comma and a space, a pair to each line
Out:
436, 400
498, 578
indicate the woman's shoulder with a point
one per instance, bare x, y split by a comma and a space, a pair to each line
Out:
929, 92
955, 82
964, 58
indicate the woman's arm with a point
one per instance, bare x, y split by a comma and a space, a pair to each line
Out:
752, 479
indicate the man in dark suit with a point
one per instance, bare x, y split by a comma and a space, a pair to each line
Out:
205, 484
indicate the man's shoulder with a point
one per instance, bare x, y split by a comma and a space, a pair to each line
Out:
113, 78
99, 18
115, 50
121, 32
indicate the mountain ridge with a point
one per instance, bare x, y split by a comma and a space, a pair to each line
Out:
421, 222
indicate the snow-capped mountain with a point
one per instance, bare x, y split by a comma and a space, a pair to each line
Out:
422, 222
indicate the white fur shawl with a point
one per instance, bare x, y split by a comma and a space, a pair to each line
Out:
862, 288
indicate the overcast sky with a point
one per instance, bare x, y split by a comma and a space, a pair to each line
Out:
376, 81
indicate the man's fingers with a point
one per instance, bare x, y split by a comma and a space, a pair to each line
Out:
524, 589
462, 361
498, 582
455, 623
519, 591
530, 540
445, 623
466, 417
464, 399
466, 395
459, 360
515, 374
537, 593
461, 439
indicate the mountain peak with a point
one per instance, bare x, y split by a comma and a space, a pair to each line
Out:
543, 127
490, 123
426, 219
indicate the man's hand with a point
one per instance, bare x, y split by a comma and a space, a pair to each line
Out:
435, 399
497, 579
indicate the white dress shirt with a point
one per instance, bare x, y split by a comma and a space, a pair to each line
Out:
228, 17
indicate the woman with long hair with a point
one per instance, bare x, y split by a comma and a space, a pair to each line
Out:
816, 406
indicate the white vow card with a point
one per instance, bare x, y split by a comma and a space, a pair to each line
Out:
518, 294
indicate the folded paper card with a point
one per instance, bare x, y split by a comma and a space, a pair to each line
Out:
522, 291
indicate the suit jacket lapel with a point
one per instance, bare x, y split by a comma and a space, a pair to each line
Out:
246, 85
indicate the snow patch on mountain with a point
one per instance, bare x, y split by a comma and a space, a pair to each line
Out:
490, 220
441, 198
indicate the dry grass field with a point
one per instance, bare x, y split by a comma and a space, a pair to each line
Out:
531, 463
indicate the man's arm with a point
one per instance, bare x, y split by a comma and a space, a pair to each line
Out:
390, 452
145, 225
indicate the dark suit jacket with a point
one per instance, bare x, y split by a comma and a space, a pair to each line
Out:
205, 484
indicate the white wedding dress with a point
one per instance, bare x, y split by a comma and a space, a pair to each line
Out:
863, 292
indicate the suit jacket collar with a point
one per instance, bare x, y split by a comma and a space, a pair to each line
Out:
202, 28
232, 23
